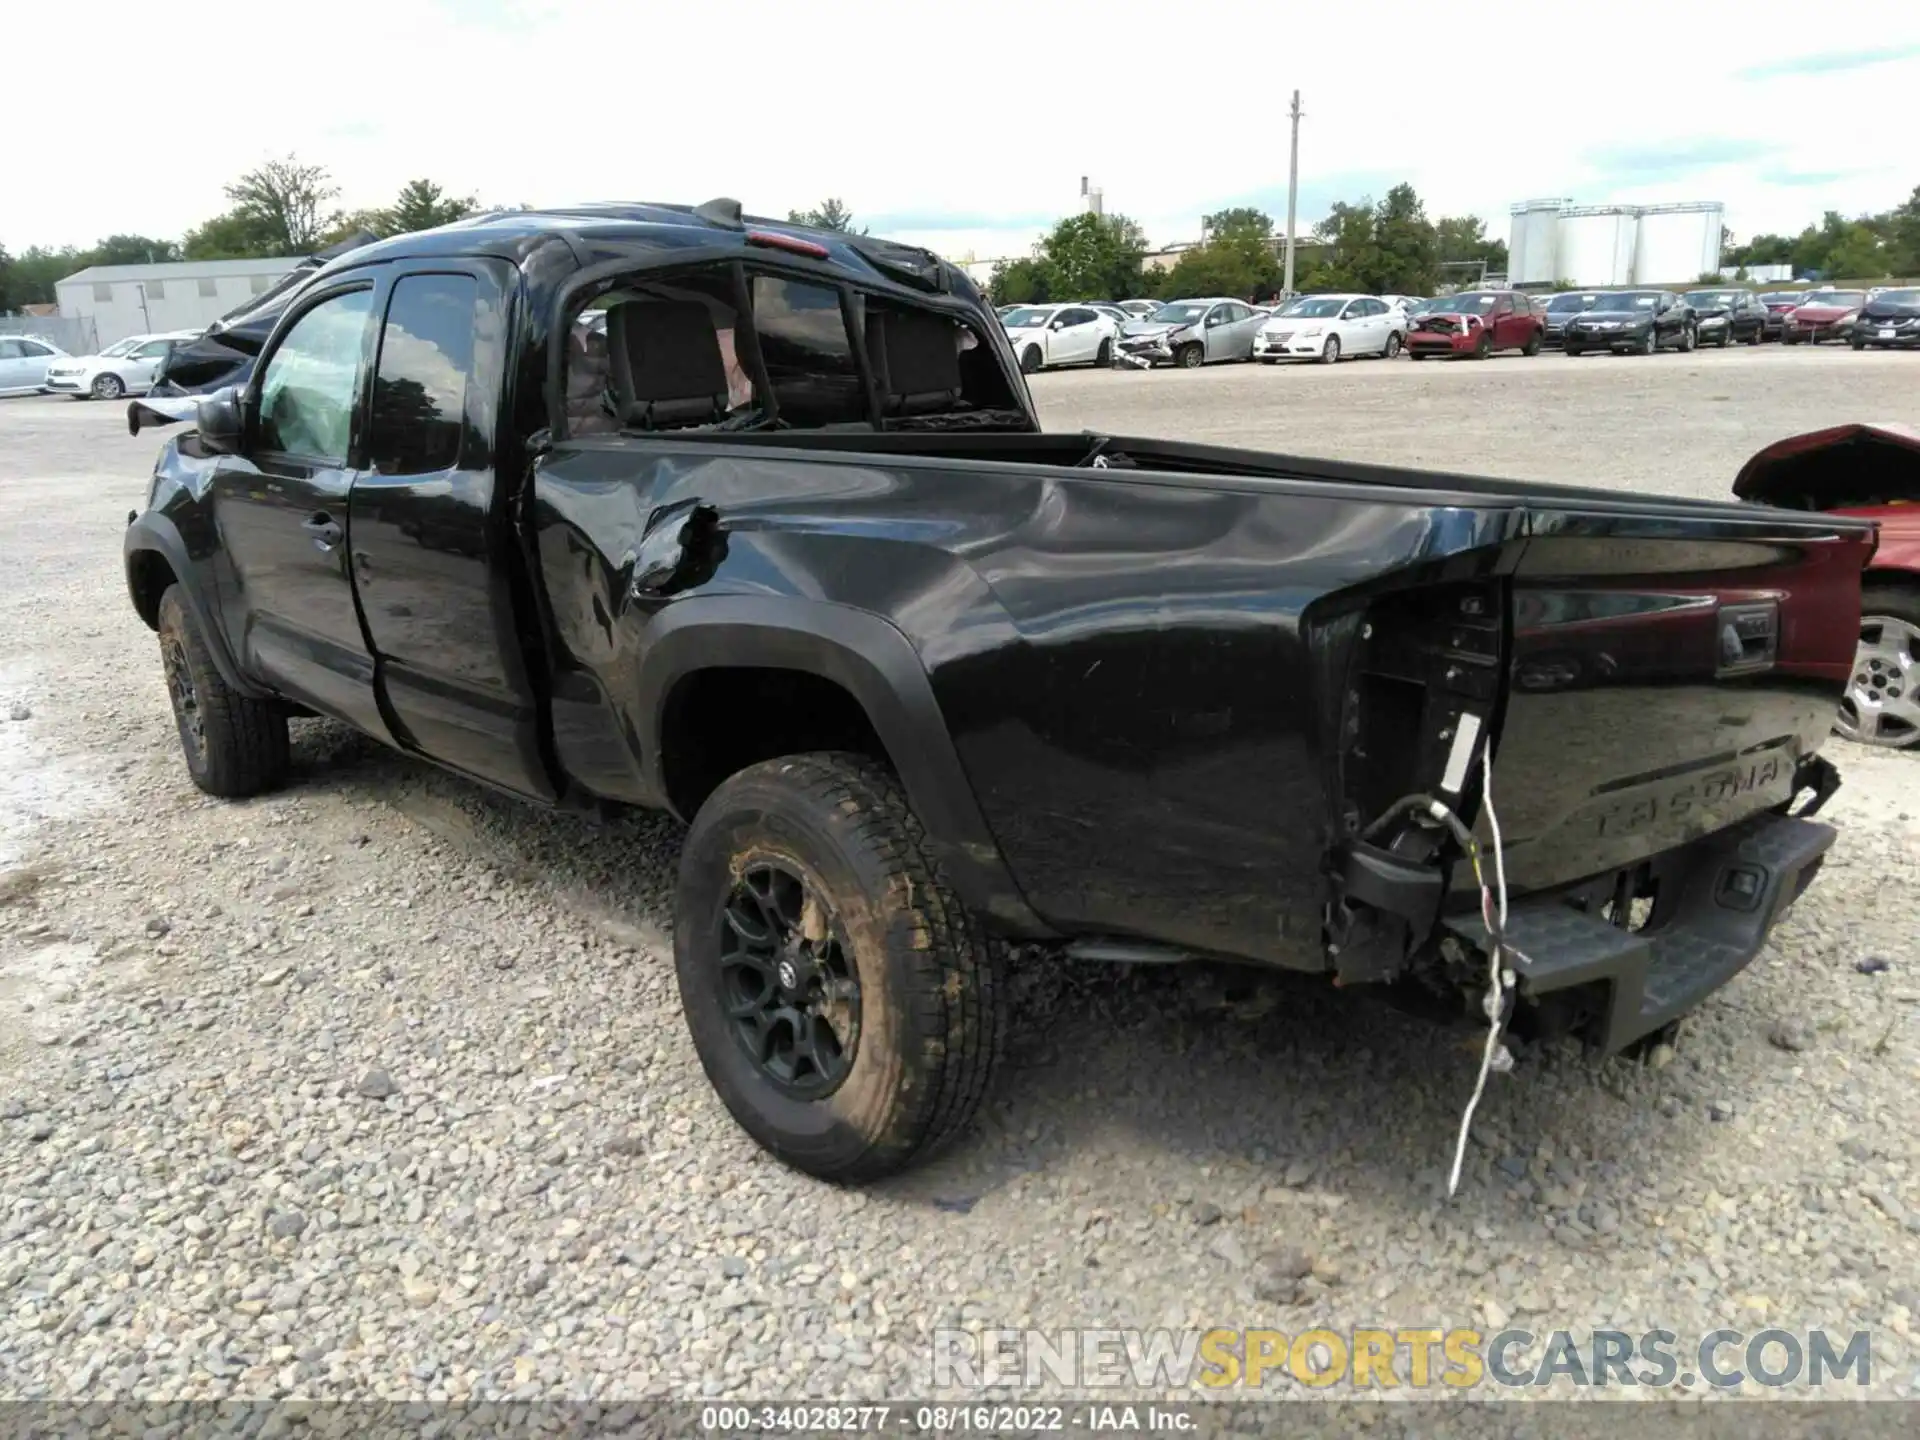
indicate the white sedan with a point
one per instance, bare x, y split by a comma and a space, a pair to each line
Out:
123, 368
23, 363
1330, 327
1047, 335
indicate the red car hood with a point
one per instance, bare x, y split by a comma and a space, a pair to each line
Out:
1457, 319
1868, 470
1821, 314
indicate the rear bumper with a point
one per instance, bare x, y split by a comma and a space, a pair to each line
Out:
1719, 899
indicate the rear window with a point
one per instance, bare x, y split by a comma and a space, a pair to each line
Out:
808, 355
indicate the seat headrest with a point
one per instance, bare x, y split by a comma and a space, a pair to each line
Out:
666, 363
916, 357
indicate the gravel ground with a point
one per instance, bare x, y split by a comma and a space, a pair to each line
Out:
377, 1087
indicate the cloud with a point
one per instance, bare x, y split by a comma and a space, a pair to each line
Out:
1667, 159
1828, 62
888, 221
1803, 179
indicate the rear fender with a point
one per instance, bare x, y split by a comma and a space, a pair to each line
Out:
875, 663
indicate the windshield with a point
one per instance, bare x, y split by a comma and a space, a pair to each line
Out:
1561, 304
1836, 297
1472, 303
122, 347
1179, 314
1315, 307
1897, 297
1027, 317
1421, 307
1709, 299
1628, 300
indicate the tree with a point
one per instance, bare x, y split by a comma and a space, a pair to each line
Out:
353, 222
1463, 238
232, 236
1903, 237
133, 250
423, 205
286, 199
1406, 249
1094, 257
1019, 282
832, 215
6, 281
1858, 254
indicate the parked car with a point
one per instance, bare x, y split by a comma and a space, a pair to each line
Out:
1823, 315
917, 693
1724, 316
1139, 309
1330, 327
1869, 472
1120, 318
1780, 304
1476, 323
1563, 307
1890, 319
1191, 333
1635, 322
1047, 335
124, 368
23, 363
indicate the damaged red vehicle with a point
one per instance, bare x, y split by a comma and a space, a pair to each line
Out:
1478, 323
1871, 472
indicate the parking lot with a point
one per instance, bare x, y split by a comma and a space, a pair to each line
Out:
377, 1086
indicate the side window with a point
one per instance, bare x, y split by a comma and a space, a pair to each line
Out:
308, 388
1503, 306
1215, 316
34, 347
809, 359
1073, 317
152, 350
420, 382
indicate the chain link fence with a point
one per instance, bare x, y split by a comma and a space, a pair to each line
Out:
74, 334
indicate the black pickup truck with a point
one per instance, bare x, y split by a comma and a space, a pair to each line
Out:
668, 507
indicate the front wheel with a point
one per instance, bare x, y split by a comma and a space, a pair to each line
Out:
1104, 359
1190, 357
1571, 350
1882, 705
1330, 354
107, 387
1650, 343
1856, 342
1689, 338
1721, 342
1483, 347
842, 1000
235, 745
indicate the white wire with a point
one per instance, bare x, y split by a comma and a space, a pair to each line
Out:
1495, 987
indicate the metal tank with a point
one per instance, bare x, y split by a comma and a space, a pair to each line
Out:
1597, 244
1678, 243
1533, 245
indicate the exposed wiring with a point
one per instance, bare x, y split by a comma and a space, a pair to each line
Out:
1494, 916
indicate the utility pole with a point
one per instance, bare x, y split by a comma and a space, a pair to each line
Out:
1293, 192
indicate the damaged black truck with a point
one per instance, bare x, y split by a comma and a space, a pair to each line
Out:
667, 507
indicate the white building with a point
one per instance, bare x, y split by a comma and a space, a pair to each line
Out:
124, 300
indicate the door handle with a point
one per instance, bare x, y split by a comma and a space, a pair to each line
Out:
324, 529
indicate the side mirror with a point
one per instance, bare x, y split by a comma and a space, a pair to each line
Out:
221, 421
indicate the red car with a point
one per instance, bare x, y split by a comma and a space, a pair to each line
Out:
1871, 471
1477, 323
1823, 315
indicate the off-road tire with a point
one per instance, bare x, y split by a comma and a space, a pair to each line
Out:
931, 1010
1190, 356
239, 745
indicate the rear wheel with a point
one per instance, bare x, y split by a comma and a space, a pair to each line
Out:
1534, 342
1393, 345
1721, 342
1756, 337
1104, 360
1689, 338
842, 1000
1330, 355
1571, 350
1190, 356
1882, 706
234, 745
1650, 343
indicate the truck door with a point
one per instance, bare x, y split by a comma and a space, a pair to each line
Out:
280, 504
432, 530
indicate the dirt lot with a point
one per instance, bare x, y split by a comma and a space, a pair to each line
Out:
377, 1086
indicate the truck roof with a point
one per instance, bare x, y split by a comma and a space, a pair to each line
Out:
677, 233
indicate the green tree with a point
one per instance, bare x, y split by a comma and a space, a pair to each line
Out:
1094, 257
37, 269
1406, 248
6, 281
423, 205
133, 250
233, 235
1351, 255
1237, 258
1019, 282
1903, 236
1463, 238
353, 222
831, 214
1858, 254
287, 200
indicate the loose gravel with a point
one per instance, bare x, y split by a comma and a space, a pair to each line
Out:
377, 1087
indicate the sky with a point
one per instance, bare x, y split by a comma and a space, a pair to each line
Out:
963, 127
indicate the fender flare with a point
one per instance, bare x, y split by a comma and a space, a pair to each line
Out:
155, 534
874, 662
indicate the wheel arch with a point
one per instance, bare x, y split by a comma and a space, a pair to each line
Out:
156, 558
859, 655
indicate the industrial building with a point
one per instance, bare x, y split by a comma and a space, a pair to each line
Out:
123, 300
1603, 245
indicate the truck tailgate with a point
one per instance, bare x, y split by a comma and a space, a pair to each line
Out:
1667, 676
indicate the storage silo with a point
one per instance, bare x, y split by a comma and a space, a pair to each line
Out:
1533, 245
1677, 244
1597, 244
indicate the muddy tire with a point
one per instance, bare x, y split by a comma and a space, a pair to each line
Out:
234, 745
842, 1000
